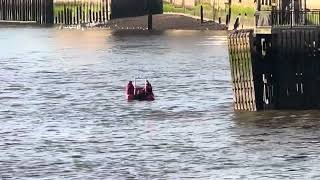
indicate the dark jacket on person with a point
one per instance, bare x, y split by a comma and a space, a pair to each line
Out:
148, 89
130, 89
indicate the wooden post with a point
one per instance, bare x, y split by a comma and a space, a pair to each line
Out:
184, 6
59, 16
27, 10
86, 12
101, 11
42, 12
90, 13
93, 16
36, 15
50, 12
78, 14
149, 15
93, 11
150, 20
97, 11
1, 10
213, 11
81, 14
67, 16
201, 14
64, 14
32, 12
4, 9
70, 16
229, 11
107, 10
10, 10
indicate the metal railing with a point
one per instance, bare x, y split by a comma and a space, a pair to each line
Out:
296, 18
281, 18
263, 18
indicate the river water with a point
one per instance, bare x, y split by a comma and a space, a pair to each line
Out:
64, 115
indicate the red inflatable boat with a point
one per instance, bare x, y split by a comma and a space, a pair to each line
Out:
133, 92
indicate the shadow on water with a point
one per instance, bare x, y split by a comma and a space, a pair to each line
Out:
138, 32
279, 119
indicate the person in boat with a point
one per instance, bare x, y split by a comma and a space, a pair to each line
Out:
148, 88
130, 89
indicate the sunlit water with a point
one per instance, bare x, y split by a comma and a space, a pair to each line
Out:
64, 115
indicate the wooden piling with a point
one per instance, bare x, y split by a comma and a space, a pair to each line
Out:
149, 6
201, 13
150, 20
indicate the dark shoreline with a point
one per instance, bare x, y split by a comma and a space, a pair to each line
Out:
161, 22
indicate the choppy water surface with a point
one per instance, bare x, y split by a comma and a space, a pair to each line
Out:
64, 115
